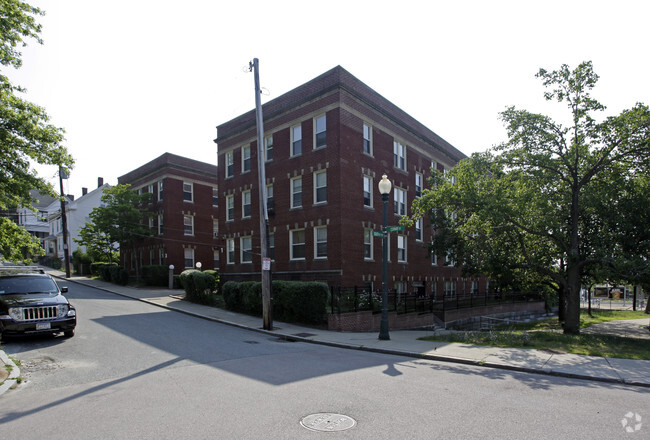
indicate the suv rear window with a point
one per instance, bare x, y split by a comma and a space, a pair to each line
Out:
27, 284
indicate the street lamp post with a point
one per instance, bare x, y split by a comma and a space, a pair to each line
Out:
384, 190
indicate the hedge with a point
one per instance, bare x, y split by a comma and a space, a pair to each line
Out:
293, 301
200, 287
155, 275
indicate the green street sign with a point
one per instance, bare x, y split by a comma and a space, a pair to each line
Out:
377, 234
395, 228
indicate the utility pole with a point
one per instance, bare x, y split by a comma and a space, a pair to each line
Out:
64, 226
267, 298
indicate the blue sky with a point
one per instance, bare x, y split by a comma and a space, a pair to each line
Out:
130, 80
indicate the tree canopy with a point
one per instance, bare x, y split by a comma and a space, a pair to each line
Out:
26, 136
553, 205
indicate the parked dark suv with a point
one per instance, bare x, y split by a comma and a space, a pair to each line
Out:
31, 303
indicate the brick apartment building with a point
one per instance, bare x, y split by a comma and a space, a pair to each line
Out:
327, 144
184, 200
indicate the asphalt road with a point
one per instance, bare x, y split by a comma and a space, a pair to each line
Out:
135, 371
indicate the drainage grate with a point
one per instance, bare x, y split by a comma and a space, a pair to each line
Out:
304, 335
328, 422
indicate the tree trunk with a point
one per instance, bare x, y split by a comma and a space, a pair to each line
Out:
572, 321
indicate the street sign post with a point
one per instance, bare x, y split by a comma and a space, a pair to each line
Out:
395, 228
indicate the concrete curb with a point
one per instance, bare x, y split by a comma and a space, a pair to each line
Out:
416, 355
13, 374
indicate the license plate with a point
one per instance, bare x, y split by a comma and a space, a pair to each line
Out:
43, 326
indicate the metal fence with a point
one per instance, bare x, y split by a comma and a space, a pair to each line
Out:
357, 299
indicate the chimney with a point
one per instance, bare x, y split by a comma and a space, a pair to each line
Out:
70, 196
84, 191
100, 181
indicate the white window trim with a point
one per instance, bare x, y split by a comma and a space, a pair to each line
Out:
243, 250
316, 188
244, 158
230, 199
229, 162
370, 189
316, 229
191, 217
292, 141
401, 201
291, 192
230, 247
371, 243
316, 132
266, 148
243, 204
405, 248
191, 191
369, 139
291, 257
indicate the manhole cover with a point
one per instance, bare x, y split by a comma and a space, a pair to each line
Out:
304, 335
328, 422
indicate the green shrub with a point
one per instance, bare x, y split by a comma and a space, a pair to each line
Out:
52, 262
184, 276
96, 269
216, 276
116, 275
155, 275
199, 287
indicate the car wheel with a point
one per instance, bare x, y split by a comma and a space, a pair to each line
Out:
68, 333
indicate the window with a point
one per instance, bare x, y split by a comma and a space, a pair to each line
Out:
367, 244
320, 238
246, 204
188, 225
230, 164
230, 208
270, 202
367, 139
399, 156
434, 167
215, 259
246, 247
448, 260
215, 227
401, 248
320, 187
320, 132
188, 195
296, 192
418, 184
230, 251
152, 191
215, 197
367, 191
268, 148
245, 159
296, 140
160, 190
473, 290
450, 289
399, 196
160, 224
161, 256
189, 258
434, 259
418, 229
272, 246
151, 222
297, 244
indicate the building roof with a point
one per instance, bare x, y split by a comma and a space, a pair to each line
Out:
169, 160
337, 78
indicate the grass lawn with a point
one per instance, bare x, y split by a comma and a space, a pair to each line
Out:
546, 334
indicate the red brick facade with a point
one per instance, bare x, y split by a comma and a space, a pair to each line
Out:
185, 200
346, 257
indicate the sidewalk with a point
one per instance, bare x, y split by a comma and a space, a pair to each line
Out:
406, 343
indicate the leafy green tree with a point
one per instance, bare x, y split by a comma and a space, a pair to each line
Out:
16, 244
98, 243
540, 207
122, 219
26, 136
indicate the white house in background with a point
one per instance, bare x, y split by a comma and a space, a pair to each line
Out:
36, 222
77, 214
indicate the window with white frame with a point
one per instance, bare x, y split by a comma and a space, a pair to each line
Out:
401, 248
448, 260
215, 260
320, 132
230, 207
215, 196
320, 186
230, 251
246, 248
367, 191
230, 164
418, 229
270, 201
188, 254
320, 238
245, 158
434, 259
418, 184
367, 138
434, 166
268, 148
367, 244
161, 256
450, 289
296, 140
399, 155
245, 204
188, 225
296, 192
297, 244
399, 197
160, 190
160, 224
188, 192
215, 228
473, 290
151, 222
